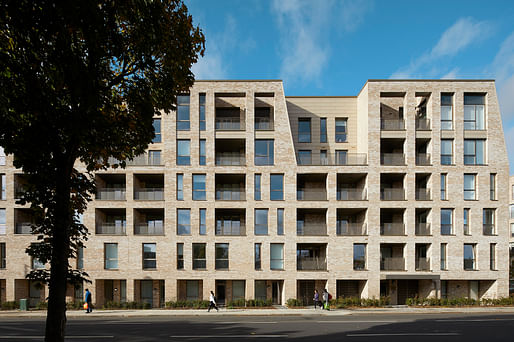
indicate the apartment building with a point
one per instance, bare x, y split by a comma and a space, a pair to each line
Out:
254, 194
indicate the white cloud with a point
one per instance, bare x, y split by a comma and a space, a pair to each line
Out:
452, 74
209, 67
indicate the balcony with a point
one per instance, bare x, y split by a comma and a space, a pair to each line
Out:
263, 118
152, 158
230, 159
311, 222
392, 264
423, 195
392, 229
229, 119
230, 187
351, 229
392, 194
149, 194
105, 228
110, 187
423, 125
423, 264
331, 159
311, 195
149, 221
311, 187
20, 185
228, 124
310, 229
23, 221
148, 229
149, 187
311, 264
423, 229
230, 195
350, 194
423, 159
392, 159
392, 124
110, 194
230, 152
110, 221
230, 222
489, 229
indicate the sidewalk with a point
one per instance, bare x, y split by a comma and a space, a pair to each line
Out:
261, 312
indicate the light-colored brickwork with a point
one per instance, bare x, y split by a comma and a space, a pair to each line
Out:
361, 199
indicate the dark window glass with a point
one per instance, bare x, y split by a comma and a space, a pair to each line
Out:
149, 256
264, 154
323, 130
157, 130
261, 221
276, 187
198, 187
304, 130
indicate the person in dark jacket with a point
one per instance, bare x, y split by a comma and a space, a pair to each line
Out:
88, 299
316, 299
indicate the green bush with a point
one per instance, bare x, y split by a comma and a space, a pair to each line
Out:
187, 304
76, 305
42, 306
238, 303
417, 301
344, 302
293, 302
10, 305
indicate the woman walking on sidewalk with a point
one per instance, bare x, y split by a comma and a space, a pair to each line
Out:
316, 299
212, 302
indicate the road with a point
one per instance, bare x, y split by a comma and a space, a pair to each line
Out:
356, 327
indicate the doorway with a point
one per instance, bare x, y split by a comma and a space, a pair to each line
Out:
221, 287
147, 291
276, 292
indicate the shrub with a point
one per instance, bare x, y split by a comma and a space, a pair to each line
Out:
75, 305
10, 305
42, 306
187, 304
417, 301
293, 302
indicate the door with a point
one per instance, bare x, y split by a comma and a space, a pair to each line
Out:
34, 292
220, 292
108, 291
306, 291
406, 289
276, 293
147, 291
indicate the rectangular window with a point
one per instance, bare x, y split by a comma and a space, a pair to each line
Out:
446, 221
203, 224
323, 157
2, 187
238, 289
512, 229
221, 256
199, 260
489, 221
258, 256
183, 222
154, 157
183, 152
157, 130
180, 187
304, 157
469, 257
446, 112
2, 255
276, 187
257, 187
203, 158
277, 256
183, 113
2, 222
304, 130
444, 253
359, 256
469, 187
492, 186
474, 152
444, 196
260, 290
466, 221
192, 290
341, 130
341, 157
492, 256
474, 112
37, 264
149, 256
80, 258
323, 130
280, 221
2, 156
202, 111
199, 187
264, 152
110, 256
511, 208
446, 152
261, 221
180, 256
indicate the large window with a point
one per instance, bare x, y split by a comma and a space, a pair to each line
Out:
359, 256
489, 221
280, 221
305, 157
111, 256
180, 187
323, 130
149, 256
341, 157
474, 112
183, 152
157, 130
183, 113
203, 224
341, 129
202, 111
446, 152
258, 256
276, 187
260, 290
446, 221
277, 256
199, 187
202, 160
154, 157
469, 256
444, 258
180, 256
469, 186
261, 221
304, 130
474, 152
446, 111
257, 187
199, 261
221, 256
183, 222
264, 152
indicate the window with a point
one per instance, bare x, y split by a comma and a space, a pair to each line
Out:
157, 130
2, 222
221, 256
263, 119
202, 112
341, 157
466, 221
203, 225
202, 160
260, 290
492, 256
238, 289
192, 290
111, 256
280, 221
446, 152
37, 264
2, 187
304, 130
341, 130
474, 114
154, 157
469, 187
511, 207
276, 187
323, 130
305, 157
180, 187
359, 256
183, 113
258, 256
2, 156
257, 187
183, 152
264, 154
323, 157
199, 187
149, 256
180, 256
474, 152
261, 221
489, 221
443, 187
446, 221
492, 186
80, 258
277, 256
469, 257
183, 222
2, 255
446, 112
444, 253
512, 229
199, 261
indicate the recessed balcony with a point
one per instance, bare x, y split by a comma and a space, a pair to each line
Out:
110, 222
311, 187
311, 222
311, 257
149, 187
110, 187
230, 187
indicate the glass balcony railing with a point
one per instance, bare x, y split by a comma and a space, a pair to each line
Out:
234, 228
392, 159
351, 229
149, 194
392, 229
423, 229
311, 264
149, 229
423, 195
350, 194
392, 264
332, 159
311, 195
423, 159
392, 125
23, 228
230, 195
110, 229
110, 194
392, 194
310, 229
229, 124
423, 125
423, 264
230, 159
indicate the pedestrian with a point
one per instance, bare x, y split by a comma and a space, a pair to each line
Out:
212, 302
316, 298
88, 299
325, 300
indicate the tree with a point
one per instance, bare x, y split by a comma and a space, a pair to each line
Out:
80, 82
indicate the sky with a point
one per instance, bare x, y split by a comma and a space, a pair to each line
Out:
331, 47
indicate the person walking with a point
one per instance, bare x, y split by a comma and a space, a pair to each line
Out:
325, 300
316, 298
88, 298
212, 302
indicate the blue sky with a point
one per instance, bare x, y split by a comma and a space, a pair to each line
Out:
331, 47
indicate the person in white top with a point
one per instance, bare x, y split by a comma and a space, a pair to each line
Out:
212, 302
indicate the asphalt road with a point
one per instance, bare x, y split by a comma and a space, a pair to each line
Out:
355, 327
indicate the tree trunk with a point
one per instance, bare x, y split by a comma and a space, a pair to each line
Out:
56, 314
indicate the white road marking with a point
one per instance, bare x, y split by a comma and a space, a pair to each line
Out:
228, 336
15, 337
475, 320
403, 334
351, 322
243, 322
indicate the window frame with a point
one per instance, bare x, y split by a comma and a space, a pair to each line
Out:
183, 124
447, 104
257, 256
469, 193
157, 130
201, 112
198, 263
198, 193
450, 225
474, 158
258, 226
148, 261
359, 265
180, 256
182, 228
182, 158
109, 260
276, 194
268, 158
445, 156
180, 187
219, 262
341, 136
304, 136
276, 263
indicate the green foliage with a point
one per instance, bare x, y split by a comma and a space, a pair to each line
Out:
188, 304
10, 305
75, 305
293, 302
111, 305
42, 306
344, 302
418, 301
238, 303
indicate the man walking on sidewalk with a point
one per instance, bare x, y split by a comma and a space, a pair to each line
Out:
212, 302
88, 300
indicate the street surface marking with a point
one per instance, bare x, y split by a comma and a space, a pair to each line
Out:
83, 337
228, 336
403, 334
475, 320
244, 322
350, 322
